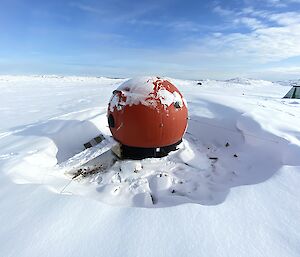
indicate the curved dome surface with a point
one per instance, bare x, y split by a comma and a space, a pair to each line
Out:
147, 112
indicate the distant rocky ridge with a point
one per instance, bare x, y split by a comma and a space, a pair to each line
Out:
289, 82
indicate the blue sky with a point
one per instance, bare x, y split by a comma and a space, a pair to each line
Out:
183, 39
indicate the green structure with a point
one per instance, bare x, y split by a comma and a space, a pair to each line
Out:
294, 92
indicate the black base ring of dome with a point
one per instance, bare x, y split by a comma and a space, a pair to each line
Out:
139, 153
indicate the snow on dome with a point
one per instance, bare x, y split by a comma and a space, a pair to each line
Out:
165, 96
147, 91
142, 86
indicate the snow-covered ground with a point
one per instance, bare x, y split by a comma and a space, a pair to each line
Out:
232, 189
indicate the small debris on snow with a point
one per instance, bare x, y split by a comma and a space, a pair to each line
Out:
154, 201
116, 178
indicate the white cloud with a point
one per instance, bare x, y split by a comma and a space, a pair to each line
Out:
285, 70
265, 42
250, 22
277, 73
222, 11
263, 45
287, 18
282, 3
86, 8
112, 14
247, 10
185, 25
277, 3
274, 3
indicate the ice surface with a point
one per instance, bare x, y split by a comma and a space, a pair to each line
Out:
232, 189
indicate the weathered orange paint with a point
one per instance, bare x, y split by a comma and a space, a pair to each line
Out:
144, 126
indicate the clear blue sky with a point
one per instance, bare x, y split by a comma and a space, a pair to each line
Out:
184, 39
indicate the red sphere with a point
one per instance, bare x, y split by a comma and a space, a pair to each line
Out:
147, 113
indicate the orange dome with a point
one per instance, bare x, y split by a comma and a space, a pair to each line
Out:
147, 113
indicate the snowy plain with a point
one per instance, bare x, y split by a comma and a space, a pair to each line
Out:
232, 189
